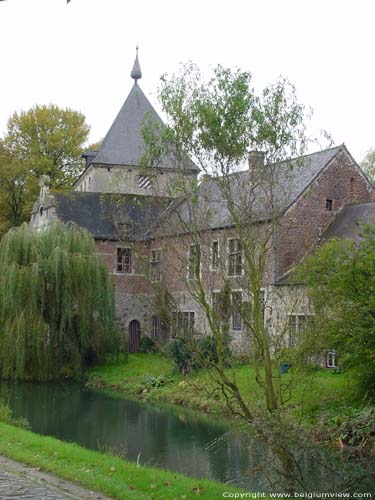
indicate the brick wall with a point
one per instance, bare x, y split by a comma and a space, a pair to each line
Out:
343, 183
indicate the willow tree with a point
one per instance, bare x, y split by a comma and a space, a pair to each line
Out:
56, 303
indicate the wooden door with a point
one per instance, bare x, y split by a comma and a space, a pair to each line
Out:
134, 335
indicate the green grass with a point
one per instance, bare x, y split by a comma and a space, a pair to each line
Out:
103, 472
313, 393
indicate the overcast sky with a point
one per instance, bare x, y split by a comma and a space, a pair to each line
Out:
80, 54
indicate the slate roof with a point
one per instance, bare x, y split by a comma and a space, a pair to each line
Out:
98, 212
123, 144
347, 223
293, 177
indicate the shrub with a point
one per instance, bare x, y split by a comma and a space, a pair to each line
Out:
181, 355
188, 355
207, 347
147, 344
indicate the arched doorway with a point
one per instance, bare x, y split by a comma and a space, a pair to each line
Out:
134, 335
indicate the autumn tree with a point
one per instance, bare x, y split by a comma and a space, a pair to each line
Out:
45, 140
226, 127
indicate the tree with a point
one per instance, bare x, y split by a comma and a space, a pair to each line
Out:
341, 281
45, 140
225, 126
56, 303
14, 206
49, 140
368, 165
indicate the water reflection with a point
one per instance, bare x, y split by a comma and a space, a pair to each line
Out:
158, 437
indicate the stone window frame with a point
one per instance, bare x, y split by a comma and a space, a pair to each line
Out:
331, 355
123, 267
235, 254
191, 261
296, 325
214, 263
125, 230
182, 321
155, 264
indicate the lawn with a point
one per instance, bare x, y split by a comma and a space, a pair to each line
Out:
103, 472
152, 377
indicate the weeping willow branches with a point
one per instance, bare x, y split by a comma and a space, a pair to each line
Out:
56, 303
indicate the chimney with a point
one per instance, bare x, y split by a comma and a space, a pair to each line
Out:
256, 159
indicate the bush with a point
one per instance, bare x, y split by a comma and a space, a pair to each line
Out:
146, 344
181, 355
207, 347
185, 354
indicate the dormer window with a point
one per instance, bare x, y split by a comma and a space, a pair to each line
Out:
125, 230
144, 182
329, 204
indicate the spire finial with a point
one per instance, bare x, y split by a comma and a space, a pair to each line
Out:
136, 73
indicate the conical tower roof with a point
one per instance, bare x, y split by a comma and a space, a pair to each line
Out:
123, 144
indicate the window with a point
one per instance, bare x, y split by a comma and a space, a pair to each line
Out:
155, 265
236, 316
124, 260
329, 204
262, 302
125, 230
155, 327
215, 256
234, 257
216, 303
297, 323
292, 330
331, 359
144, 182
194, 261
351, 187
41, 211
182, 323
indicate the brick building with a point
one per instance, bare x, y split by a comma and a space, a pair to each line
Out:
142, 231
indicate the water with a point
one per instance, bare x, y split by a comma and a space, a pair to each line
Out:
155, 436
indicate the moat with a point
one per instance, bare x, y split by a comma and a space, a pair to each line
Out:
151, 435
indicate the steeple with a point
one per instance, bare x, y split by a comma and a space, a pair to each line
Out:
136, 73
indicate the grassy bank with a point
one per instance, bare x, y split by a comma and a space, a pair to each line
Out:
103, 472
151, 377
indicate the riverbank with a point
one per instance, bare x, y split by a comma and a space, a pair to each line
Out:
111, 475
152, 377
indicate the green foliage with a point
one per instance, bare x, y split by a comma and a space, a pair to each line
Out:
354, 427
45, 140
56, 303
219, 121
368, 165
341, 280
49, 140
193, 354
147, 344
181, 354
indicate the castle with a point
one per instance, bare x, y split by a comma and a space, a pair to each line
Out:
131, 213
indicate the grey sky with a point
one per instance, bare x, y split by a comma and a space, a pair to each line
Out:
80, 55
